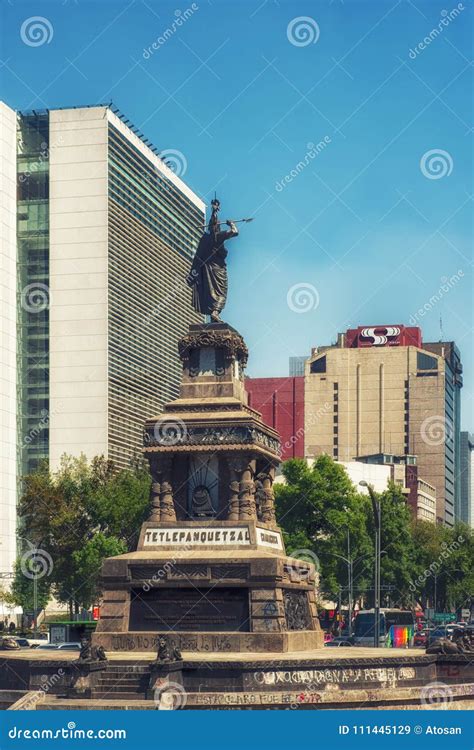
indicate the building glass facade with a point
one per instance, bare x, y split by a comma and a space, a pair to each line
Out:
32, 290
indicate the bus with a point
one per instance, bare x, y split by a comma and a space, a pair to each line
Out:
397, 628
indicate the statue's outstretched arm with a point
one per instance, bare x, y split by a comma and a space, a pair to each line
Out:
231, 232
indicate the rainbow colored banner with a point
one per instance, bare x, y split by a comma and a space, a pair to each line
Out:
399, 636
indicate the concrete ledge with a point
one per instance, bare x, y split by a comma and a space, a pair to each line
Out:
212, 643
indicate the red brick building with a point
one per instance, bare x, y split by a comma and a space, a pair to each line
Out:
281, 404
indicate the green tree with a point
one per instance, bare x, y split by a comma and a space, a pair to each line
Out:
444, 566
87, 563
460, 568
318, 508
81, 514
22, 588
396, 546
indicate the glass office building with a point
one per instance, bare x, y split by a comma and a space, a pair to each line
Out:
32, 290
105, 236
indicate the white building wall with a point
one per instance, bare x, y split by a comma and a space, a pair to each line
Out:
78, 283
8, 432
375, 474
470, 508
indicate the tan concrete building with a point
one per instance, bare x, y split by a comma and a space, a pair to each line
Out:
387, 393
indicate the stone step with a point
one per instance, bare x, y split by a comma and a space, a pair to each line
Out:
123, 680
113, 666
132, 669
97, 704
118, 696
112, 689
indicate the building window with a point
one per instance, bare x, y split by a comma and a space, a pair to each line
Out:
318, 366
426, 364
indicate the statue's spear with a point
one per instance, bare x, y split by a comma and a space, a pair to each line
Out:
219, 223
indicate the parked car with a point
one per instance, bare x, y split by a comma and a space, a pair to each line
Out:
7, 643
339, 641
69, 646
47, 647
39, 640
23, 642
421, 637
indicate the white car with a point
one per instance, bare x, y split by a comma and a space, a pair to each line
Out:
35, 642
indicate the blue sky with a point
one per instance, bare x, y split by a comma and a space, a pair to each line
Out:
371, 225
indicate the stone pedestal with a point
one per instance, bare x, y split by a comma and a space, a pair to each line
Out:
166, 683
83, 677
210, 569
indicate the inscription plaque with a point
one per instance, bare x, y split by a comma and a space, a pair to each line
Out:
202, 610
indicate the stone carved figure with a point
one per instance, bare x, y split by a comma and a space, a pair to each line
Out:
296, 610
201, 502
442, 646
264, 498
208, 276
233, 501
90, 653
165, 654
460, 643
161, 492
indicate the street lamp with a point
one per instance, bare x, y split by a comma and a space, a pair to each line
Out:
350, 578
378, 527
349, 563
35, 589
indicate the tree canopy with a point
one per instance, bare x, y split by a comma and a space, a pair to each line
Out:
79, 515
322, 512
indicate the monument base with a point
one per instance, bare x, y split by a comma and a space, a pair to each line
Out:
212, 643
351, 679
243, 594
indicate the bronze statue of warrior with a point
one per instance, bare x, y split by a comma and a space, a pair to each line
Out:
208, 276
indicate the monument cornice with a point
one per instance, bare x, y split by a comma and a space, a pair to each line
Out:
225, 338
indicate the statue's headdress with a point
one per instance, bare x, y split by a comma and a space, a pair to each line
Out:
214, 220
